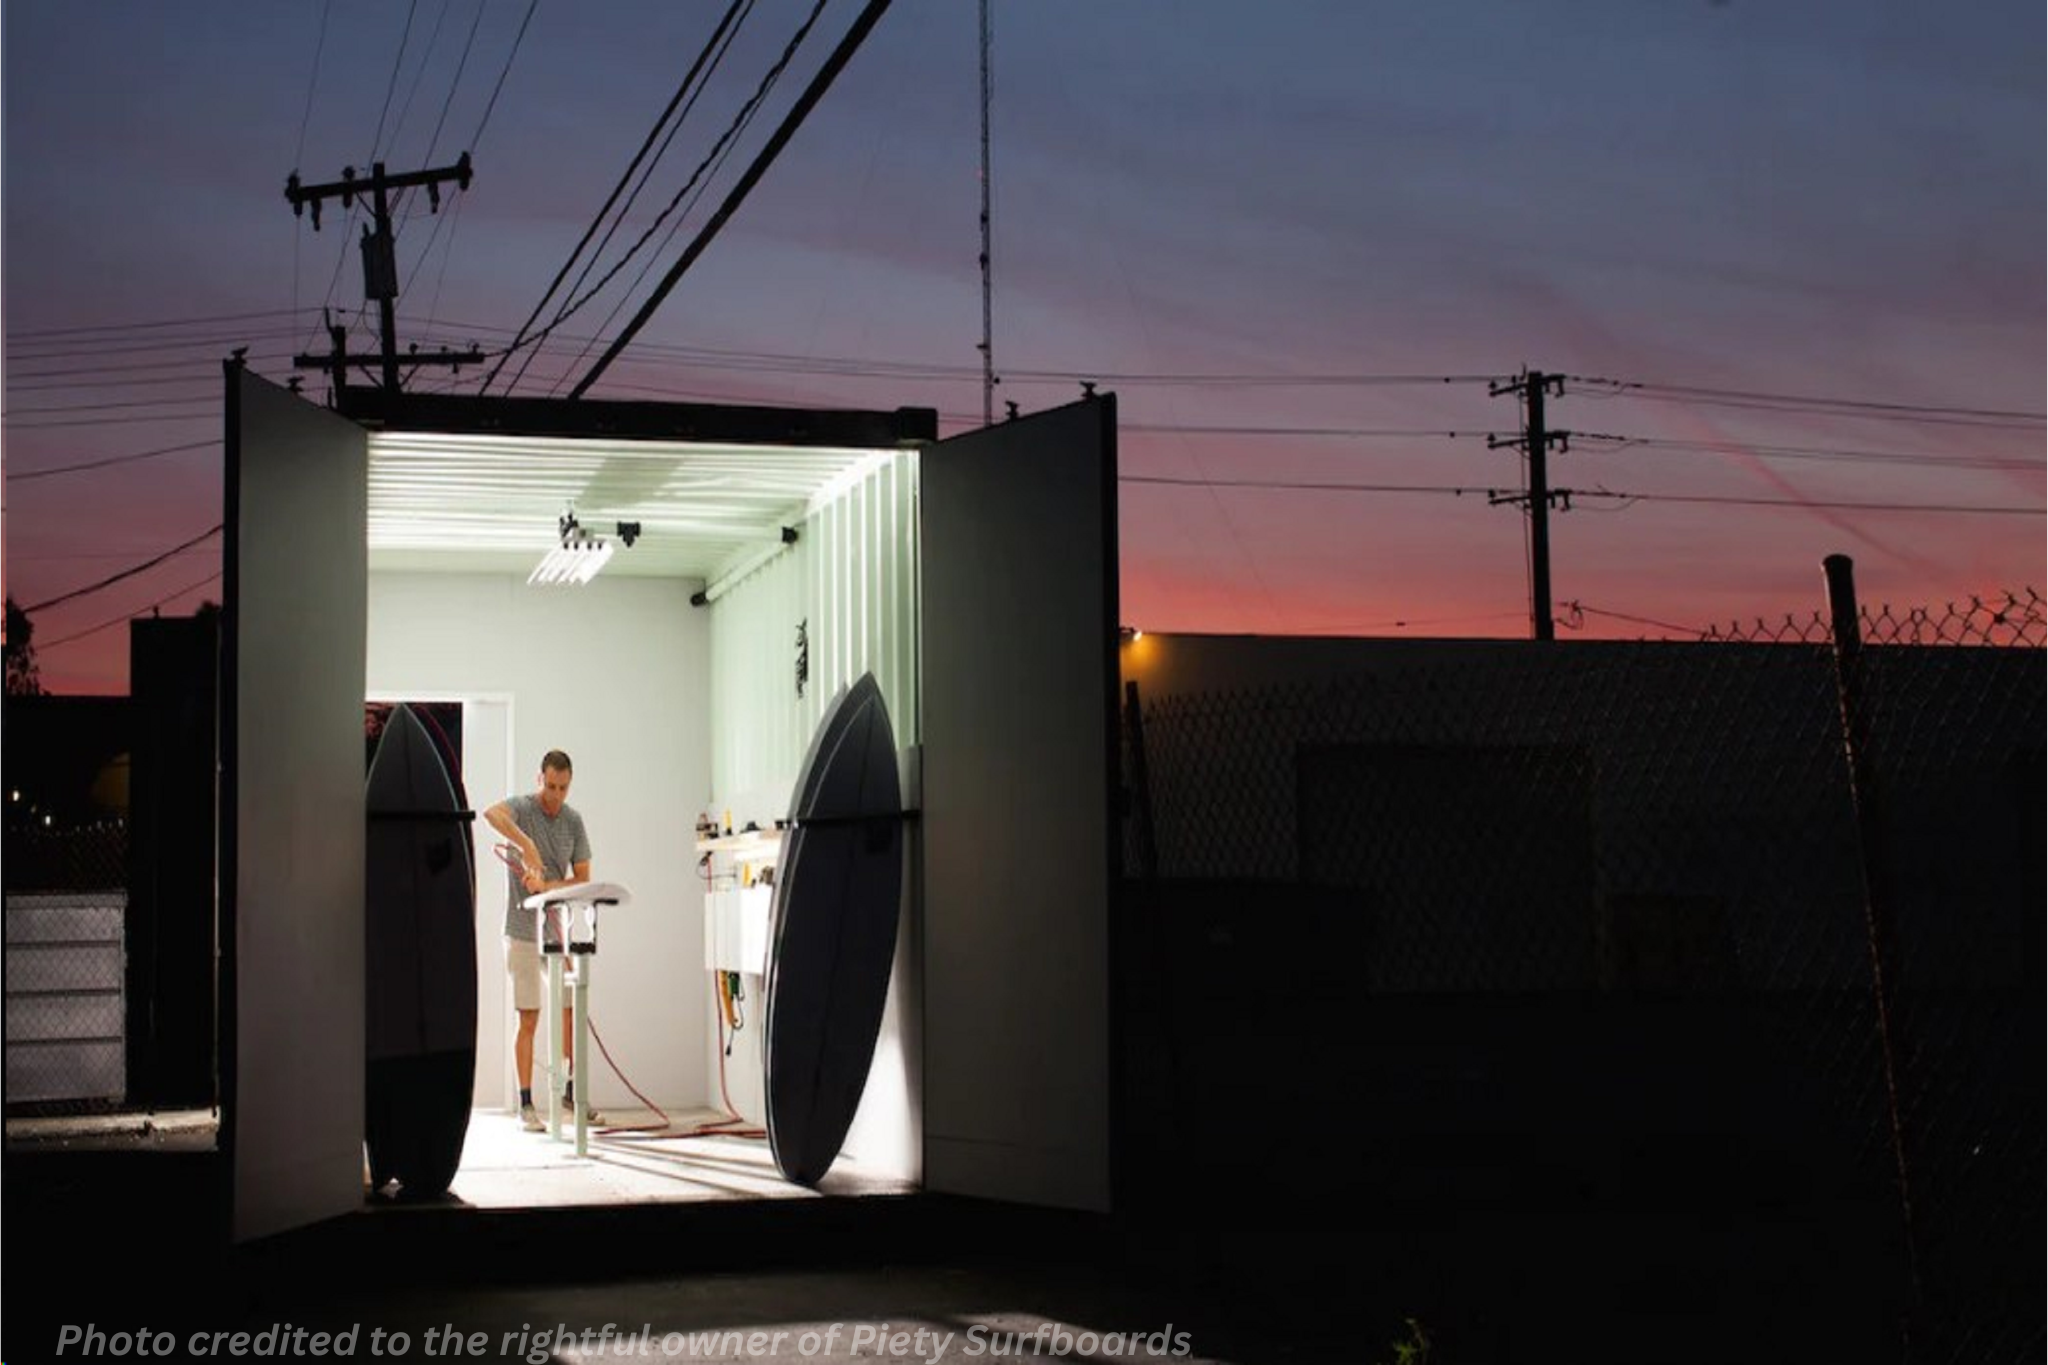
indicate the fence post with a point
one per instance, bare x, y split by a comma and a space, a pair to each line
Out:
1878, 903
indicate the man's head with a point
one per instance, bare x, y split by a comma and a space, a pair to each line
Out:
555, 773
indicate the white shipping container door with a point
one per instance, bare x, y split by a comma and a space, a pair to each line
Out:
1019, 686
292, 808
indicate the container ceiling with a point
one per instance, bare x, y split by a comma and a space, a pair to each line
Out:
493, 504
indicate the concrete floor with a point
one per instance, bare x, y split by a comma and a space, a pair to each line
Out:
504, 1167
181, 1130
837, 1316
536, 1253
1263, 1261
631, 1159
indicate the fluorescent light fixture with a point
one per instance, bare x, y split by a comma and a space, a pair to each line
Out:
575, 561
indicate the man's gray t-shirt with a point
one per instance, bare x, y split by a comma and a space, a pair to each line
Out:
562, 845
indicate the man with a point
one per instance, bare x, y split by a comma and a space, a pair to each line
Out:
554, 851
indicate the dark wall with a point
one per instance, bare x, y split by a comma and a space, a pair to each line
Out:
171, 921
1580, 938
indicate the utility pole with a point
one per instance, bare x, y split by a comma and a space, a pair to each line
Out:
338, 360
1535, 441
380, 259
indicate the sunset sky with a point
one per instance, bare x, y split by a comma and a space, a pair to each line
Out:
1295, 238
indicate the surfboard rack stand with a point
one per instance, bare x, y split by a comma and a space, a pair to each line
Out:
567, 928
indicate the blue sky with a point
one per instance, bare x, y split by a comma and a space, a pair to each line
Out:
1836, 199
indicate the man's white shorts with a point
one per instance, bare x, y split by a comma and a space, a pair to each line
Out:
522, 964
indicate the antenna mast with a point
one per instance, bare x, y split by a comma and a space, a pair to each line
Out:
988, 351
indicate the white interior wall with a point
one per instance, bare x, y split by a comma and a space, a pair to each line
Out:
487, 766
852, 580
615, 673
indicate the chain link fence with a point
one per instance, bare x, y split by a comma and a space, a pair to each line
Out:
1618, 911
66, 977
2014, 617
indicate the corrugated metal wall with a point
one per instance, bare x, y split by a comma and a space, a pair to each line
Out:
851, 582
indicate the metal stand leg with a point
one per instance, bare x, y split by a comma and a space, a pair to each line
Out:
579, 1066
551, 1025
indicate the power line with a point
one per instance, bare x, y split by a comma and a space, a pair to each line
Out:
1823, 453
455, 83
1579, 608
782, 362
377, 143
1403, 622
63, 386
454, 221
821, 81
127, 616
489, 108
1372, 433
713, 357
1958, 509
699, 186
42, 332
793, 363
712, 162
1244, 380
434, 141
1305, 486
689, 83
25, 475
209, 364
716, 160
1811, 399
129, 572
67, 555
1937, 414
13, 412
111, 421
419, 77
313, 83
68, 351
376, 150
1338, 486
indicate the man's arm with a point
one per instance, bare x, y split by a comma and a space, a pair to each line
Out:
579, 873
499, 817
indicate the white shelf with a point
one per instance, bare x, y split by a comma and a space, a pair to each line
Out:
753, 841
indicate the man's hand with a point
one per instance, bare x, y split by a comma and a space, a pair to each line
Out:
532, 880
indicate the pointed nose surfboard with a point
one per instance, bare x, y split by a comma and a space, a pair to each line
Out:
833, 936
420, 941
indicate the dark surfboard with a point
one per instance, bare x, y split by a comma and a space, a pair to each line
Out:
838, 885
420, 939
